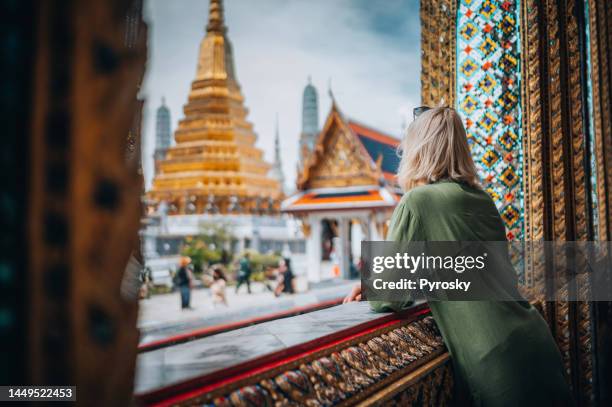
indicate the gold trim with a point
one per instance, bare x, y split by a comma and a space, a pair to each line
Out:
406, 381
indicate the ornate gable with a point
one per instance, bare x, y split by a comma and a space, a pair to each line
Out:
338, 159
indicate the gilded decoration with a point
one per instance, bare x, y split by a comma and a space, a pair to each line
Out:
406, 361
338, 158
215, 153
342, 165
563, 190
438, 39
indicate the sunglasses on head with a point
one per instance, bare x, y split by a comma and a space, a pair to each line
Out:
417, 111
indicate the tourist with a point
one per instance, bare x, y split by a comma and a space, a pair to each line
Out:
244, 273
183, 279
503, 352
217, 283
285, 280
146, 281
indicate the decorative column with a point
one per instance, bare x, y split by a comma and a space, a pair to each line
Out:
313, 249
345, 247
438, 51
373, 232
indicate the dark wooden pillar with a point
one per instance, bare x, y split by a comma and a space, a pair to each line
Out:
72, 208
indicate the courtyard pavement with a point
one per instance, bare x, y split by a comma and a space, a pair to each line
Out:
161, 315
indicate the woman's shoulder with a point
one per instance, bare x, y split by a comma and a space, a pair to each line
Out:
422, 195
438, 196
411, 204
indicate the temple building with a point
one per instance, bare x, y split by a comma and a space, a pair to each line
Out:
346, 194
215, 166
163, 133
215, 173
310, 121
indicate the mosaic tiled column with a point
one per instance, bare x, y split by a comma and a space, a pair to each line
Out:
488, 99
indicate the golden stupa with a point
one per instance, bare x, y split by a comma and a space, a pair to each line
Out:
214, 166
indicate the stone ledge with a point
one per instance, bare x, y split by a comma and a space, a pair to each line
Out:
342, 355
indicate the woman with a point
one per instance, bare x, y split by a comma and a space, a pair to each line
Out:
285, 278
503, 352
218, 283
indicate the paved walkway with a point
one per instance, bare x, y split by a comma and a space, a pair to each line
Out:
161, 315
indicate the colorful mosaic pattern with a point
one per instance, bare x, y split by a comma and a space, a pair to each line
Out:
488, 99
592, 141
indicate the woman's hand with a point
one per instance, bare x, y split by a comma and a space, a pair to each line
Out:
354, 295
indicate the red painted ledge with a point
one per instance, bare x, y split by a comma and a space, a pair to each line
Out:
192, 388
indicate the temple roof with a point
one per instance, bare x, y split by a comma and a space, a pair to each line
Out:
352, 166
380, 146
341, 198
362, 155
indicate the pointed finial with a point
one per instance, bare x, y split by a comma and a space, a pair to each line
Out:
277, 138
276, 124
277, 152
215, 17
309, 80
330, 92
163, 101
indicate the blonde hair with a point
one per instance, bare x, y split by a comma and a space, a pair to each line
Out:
435, 147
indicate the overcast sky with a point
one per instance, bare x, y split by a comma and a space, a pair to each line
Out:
367, 49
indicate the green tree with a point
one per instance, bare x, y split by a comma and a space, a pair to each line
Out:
212, 245
260, 262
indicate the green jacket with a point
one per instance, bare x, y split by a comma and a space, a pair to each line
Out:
502, 352
245, 268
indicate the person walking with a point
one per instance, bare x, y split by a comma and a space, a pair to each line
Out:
244, 273
183, 280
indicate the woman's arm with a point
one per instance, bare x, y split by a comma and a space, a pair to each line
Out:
389, 306
377, 306
403, 227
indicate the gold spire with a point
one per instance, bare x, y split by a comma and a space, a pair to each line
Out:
215, 160
215, 17
215, 61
